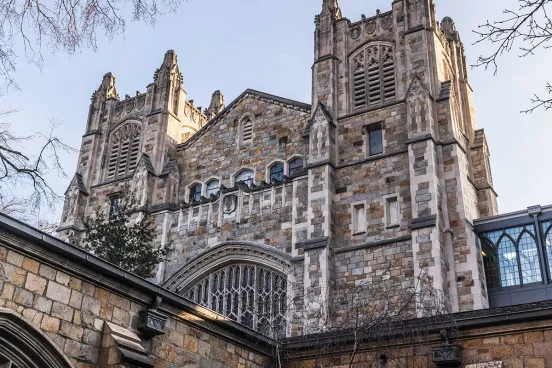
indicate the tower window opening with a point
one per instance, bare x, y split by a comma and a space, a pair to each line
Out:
124, 151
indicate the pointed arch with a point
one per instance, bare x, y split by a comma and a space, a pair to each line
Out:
27, 347
123, 149
508, 261
528, 255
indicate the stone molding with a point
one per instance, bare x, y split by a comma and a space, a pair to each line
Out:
120, 346
21, 343
224, 254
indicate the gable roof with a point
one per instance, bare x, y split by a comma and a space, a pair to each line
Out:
247, 93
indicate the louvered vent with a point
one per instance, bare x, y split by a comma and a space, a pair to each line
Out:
373, 71
125, 147
247, 131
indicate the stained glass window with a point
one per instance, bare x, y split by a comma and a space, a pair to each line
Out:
249, 294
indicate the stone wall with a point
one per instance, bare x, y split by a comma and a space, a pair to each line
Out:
71, 302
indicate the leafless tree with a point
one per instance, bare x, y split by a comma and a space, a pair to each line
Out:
66, 25
24, 187
376, 315
527, 29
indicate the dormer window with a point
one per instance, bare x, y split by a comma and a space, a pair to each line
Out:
373, 74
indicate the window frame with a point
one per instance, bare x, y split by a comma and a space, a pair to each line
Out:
240, 172
212, 180
114, 203
134, 148
192, 192
271, 167
369, 129
356, 227
299, 170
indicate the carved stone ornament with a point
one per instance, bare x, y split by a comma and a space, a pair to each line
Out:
151, 323
371, 27
140, 101
119, 108
387, 22
355, 33
447, 356
229, 204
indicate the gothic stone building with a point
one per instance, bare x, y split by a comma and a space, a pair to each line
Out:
271, 206
380, 177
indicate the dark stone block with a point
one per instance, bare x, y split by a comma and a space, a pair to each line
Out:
151, 323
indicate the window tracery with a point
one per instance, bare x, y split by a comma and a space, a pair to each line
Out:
124, 150
249, 294
373, 74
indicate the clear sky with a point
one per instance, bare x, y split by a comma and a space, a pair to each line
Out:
268, 46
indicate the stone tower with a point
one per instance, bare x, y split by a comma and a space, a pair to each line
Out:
377, 180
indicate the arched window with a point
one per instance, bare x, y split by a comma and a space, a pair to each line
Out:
373, 73
529, 259
277, 172
123, 150
508, 263
212, 188
295, 167
245, 177
195, 193
249, 294
246, 130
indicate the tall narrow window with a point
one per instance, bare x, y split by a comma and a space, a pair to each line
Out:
373, 73
124, 150
195, 193
247, 131
212, 188
375, 140
392, 208
508, 263
277, 172
114, 201
529, 259
359, 218
245, 177
295, 167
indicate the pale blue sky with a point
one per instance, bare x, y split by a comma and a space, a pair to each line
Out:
268, 45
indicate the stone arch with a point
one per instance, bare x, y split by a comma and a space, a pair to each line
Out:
27, 347
224, 254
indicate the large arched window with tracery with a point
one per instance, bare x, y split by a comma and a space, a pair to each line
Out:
373, 76
124, 148
252, 295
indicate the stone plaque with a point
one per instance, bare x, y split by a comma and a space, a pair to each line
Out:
230, 203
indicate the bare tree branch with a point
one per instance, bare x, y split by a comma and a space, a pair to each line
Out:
528, 30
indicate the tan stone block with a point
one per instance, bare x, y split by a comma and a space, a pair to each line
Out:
121, 317
512, 339
534, 362
77, 318
18, 276
23, 297
63, 278
190, 343
106, 311
76, 299
62, 311
75, 283
31, 265
500, 352
533, 336
542, 348
102, 294
47, 272
50, 324
14, 258
71, 331
88, 288
42, 304
58, 292
7, 291
35, 283
3, 253
491, 341
37, 319
98, 324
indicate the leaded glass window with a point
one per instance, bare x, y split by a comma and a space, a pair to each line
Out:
195, 193
547, 231
212, 188
375, 140
245, 177
277, 172
249, 294
508, 263
295, 167
529, 259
